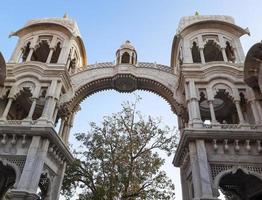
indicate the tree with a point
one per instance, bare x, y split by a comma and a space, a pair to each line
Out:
119, 159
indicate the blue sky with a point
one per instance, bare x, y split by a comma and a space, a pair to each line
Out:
149, 24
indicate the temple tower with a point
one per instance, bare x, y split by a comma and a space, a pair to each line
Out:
220, 146
33, 156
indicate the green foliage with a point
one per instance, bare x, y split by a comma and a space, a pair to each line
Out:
119, 159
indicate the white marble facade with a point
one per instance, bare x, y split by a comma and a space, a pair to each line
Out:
47, 78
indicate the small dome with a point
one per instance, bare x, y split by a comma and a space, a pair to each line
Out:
127, 45
126, 54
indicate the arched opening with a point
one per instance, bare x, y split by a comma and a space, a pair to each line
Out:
56, 53
230, 52
204, 109
7, 179
106, 102
21, 106
212, 52
225, 109
125, 58
195, 53
42, 52
43, 187
241, 186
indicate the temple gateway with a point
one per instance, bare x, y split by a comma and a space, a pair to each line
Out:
211, 86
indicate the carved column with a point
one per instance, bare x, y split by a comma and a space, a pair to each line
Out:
7, 108
196, 118
32, 109
202, 56
200, 171
212, 112
61, 129
28, 183
50, 102
224, 54
48, 60
52, 48
255, 111
239, 112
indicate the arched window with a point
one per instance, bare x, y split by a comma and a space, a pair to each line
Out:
230, 52
41, 53
195, 53
225, 108
43, 186
240, 185
56, 53
21, 106
125, 58
7, 180
204, 108
212, 52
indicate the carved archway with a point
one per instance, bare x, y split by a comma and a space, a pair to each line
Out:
240, 183
154, 80
9, 176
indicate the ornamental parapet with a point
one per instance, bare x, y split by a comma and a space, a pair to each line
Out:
112, 64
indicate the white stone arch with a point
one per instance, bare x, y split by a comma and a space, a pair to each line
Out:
91, 81
195, 34
25, 82
233, 170
226, 83
62, 36
74, 46
15, 168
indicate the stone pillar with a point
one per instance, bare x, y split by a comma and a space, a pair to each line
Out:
184, 185
52, 48
255, 111
239, 112
57, 183
29, 180
32, 109
55, 114
7, 108
48, 60
30, 54
196, 118
50, 102
200, 171
259, 109
202, 56
188, 105
212, 112
67, 127
224, 54
61, 129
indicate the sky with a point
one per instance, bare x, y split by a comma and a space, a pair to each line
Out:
105, 24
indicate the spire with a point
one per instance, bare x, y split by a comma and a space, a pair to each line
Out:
65, 16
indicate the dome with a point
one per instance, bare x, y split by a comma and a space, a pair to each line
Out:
127, 45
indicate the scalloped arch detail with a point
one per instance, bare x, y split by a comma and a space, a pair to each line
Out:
135, 83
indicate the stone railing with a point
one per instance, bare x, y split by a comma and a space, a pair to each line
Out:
155, 66
231, 126
112, 64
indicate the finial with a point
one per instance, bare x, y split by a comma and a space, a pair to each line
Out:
196, 13
65, 16
128, 42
